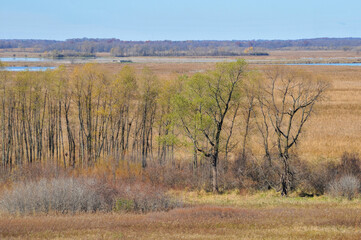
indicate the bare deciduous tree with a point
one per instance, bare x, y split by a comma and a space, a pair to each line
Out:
286, 102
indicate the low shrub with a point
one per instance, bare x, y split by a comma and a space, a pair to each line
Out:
143, 198
182, 175
124, 204
56, 195
257, 174
346, 186
315, 178
350, 165
72, 195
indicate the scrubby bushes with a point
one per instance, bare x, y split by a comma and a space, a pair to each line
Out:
346, 186
62, 192
336, 179
315, 177
251, 173
56, 195
350, 164
143, 198
348, 176
72, 195
307, 178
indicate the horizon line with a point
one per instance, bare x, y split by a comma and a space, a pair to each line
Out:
163, 40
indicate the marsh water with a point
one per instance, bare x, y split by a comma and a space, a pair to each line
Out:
24, 59
139, 60
19, 69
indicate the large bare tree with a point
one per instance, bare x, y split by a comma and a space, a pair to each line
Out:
286, 102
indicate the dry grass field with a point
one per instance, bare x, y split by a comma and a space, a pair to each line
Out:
228, 216
336, 126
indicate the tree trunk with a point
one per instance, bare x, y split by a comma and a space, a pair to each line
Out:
214, 173
195, 157
285, 182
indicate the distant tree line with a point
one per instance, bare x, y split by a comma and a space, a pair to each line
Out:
176, 48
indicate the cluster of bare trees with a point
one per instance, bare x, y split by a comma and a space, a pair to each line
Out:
76, 118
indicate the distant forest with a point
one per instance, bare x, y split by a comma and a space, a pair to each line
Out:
119, 48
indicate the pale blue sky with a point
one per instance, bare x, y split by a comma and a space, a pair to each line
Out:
179, 20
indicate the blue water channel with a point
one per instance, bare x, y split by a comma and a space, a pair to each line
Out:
24, 59
19, 69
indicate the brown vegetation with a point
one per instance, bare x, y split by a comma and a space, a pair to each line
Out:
207, 222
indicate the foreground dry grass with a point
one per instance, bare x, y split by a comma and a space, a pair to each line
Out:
283, 219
